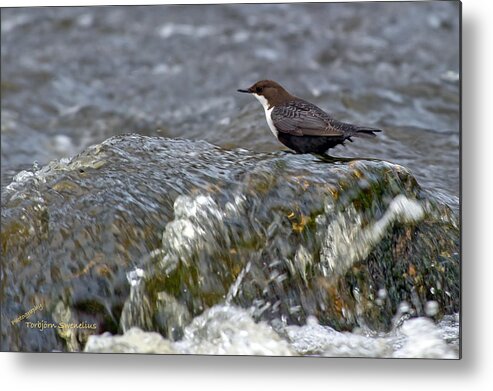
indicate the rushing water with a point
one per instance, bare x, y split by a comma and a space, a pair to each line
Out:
72, 77
246, 249
232, 330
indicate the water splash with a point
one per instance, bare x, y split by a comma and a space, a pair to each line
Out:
348, 239
137, 310
231, 330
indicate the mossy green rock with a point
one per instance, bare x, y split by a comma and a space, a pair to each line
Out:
190, 225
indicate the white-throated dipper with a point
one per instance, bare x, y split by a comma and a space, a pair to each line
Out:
300, 125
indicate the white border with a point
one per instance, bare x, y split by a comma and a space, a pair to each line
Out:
474, 372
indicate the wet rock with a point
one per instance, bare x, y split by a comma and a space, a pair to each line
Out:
290, 236
133, 341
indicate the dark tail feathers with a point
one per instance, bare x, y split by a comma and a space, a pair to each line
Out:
364, 131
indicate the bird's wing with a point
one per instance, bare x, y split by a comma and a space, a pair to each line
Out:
300, 118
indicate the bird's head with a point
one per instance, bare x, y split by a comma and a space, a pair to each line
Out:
269, 93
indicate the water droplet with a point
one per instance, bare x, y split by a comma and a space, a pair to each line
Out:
431, 308
135, 276
404, 307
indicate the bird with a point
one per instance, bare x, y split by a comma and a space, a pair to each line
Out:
299, 124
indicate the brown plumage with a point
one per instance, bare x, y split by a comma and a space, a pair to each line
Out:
300, 125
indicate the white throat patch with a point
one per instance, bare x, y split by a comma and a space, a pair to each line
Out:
268, 112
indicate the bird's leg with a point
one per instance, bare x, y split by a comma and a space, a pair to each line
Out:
325, 157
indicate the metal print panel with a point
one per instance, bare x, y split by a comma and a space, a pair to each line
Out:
242, 179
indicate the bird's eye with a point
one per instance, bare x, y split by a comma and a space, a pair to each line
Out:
258, 90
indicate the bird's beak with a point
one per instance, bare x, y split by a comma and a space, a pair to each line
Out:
246, 91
